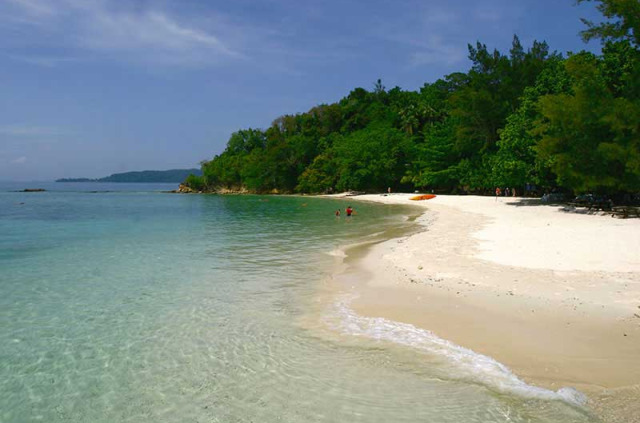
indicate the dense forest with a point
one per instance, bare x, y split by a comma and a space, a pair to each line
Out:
155, 176
529, 118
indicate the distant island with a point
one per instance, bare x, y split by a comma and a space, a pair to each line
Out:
147, 176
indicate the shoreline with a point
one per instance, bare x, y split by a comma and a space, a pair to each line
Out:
554, 296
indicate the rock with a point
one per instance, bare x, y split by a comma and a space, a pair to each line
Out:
184, 189
33, 190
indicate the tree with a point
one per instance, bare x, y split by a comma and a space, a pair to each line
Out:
246, 140
370, 159
626, 27
482, 102
524, 116
591, 137
320, 176
195, 182
516, 162
435, 162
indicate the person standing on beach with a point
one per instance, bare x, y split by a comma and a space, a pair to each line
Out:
498, 192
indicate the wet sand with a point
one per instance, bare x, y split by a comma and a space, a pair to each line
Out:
554, 295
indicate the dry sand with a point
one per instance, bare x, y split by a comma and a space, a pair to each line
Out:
553, 294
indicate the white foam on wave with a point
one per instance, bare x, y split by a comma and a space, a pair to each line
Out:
341, 251
465, 364
338, 252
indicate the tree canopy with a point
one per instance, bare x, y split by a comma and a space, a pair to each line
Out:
527, 117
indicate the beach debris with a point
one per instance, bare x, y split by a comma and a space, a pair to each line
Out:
420, 268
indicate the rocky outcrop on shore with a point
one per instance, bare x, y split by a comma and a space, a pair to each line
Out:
185, 189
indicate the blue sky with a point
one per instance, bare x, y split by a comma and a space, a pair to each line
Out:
94, 87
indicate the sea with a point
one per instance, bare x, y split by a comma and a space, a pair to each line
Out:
127, 303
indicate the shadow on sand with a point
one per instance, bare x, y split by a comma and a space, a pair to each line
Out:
564, 206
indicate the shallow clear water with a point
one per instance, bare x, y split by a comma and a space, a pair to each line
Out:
134, 305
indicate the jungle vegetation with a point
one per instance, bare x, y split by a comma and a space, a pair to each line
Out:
528, 118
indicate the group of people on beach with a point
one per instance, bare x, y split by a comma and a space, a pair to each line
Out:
507, 192
349, 211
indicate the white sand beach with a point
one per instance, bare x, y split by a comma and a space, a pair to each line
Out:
552, 294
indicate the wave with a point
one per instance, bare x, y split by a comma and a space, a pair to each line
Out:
337, 252
461, 363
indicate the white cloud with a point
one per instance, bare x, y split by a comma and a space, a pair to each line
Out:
124, 33
19, 160
152, 30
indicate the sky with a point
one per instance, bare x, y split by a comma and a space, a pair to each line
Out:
94, 87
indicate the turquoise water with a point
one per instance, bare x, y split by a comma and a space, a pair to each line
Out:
130, 304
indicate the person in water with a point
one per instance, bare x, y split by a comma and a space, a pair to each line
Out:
338, 213
349, 211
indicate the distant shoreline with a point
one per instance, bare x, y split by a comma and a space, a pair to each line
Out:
170, 176
95, 181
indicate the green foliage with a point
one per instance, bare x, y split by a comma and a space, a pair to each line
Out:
484, 98
435, 164
371, 159
527, 116
516, 162
195, 182
590, 136
320, 176
245, 141
626, 27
